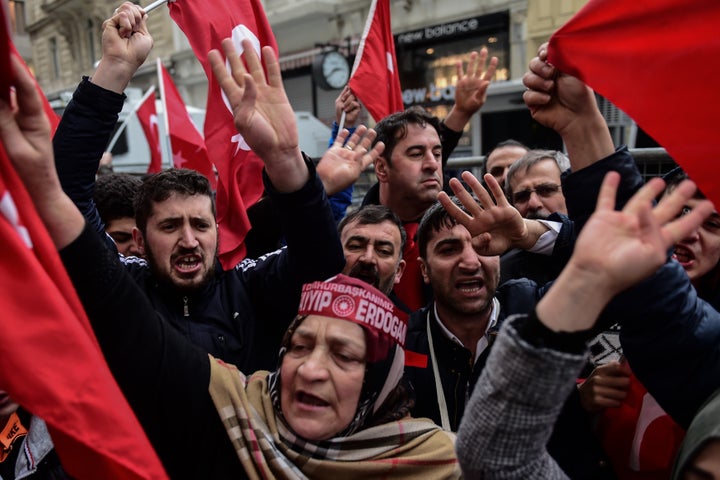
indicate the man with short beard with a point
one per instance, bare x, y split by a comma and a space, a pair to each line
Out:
373, 239
237, 315
448, 341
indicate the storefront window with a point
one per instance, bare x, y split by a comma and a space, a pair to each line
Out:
427, 60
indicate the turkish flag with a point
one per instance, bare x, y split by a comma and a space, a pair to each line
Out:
657, 61
374, 79
147, 116
186, 142
206, 24
50, 362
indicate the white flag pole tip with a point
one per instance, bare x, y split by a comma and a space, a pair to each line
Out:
155, 5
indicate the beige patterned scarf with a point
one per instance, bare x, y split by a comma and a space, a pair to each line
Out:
406, 449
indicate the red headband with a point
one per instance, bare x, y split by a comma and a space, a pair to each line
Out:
351, 299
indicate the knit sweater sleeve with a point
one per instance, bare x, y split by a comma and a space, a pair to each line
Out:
514, 406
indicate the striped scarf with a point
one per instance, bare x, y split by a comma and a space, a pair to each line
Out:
268, 449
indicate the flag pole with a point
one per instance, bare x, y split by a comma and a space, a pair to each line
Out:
155, 5
342, 122
124, 124
166, 120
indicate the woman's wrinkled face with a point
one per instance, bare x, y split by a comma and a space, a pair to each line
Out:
322, 376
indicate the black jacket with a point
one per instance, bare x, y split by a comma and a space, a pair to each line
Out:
241, 315
455, 364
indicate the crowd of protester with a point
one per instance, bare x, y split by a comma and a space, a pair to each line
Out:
514, 326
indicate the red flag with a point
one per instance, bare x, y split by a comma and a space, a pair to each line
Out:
147, 116
655, 60
186, 143
374, 79
206, 24
50, 361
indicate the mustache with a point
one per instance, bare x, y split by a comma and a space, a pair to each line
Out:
362, 271
538, 215
182, 251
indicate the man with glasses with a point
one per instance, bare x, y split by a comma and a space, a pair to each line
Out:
533, 187
533, 183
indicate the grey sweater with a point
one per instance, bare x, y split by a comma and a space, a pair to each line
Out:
513, 408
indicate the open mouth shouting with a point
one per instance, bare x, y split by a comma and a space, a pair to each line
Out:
470, 287
187, 265
683, 255
308, 401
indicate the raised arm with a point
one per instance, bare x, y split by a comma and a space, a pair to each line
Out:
92, 114
263, 114
568, 106
126, 43
496, 225
344, 161
470, 96
144, 352
616, 250
26, 138
471, 89
536, 359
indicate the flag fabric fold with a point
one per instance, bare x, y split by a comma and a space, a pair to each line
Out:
375, 78
240, 185
186, 143
147, 116
50, 362
656, 61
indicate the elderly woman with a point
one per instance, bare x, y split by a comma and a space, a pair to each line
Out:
335, 408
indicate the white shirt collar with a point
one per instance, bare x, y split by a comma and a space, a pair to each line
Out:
483, 342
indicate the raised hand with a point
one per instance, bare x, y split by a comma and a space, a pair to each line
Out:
617, 249
25, 132
262, 111
495, 224
628, 246
348, 103
126, 43
568, 106
342, 163
555, 99
25, 135
471, 88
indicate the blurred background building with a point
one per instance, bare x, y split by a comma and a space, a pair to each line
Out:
60, 40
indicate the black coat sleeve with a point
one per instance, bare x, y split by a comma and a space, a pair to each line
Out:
163, 376
80, 140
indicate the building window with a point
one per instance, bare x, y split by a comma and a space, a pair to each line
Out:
427, 62
427, 57
17, 16
54, 58
91, 37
